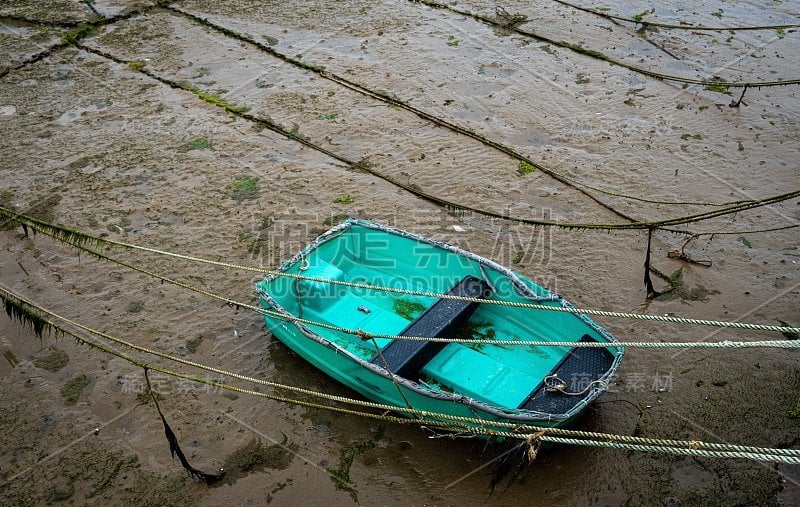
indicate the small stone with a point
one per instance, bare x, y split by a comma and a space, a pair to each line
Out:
136, 307
8, 110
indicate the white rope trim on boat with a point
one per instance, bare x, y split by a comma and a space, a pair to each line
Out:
568, 309
359, 285
531, 306
541, 343
566, 436
724, 344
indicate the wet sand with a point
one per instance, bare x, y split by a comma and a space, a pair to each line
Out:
96, 145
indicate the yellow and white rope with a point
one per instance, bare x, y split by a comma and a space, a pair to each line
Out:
43, 227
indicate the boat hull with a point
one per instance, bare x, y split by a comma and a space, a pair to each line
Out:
486, 382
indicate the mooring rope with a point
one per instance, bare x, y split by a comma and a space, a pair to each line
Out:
714, 84
393, 101
87, 30
725, 344
673, 26
413, 189
365, 335
81, 30
553, 383
722, 450
391, 374
89, 4
749, 231
668, 450
77, 240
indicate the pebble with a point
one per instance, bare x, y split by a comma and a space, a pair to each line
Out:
7, 110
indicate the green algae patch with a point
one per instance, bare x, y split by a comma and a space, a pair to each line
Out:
245, 188
341, 474
525, 168
407, 308
73, 388
54, 361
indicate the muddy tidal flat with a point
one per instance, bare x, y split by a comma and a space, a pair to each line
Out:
238, 131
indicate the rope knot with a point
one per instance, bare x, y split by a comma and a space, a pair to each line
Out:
694, 444
553, 383
362, 335
534, 442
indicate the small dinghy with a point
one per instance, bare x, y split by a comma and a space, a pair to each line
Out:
546, 385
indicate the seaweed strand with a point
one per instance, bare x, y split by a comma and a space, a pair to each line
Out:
648, 282
175, 448
713, 84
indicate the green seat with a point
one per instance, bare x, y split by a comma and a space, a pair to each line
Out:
477, 375
319, 295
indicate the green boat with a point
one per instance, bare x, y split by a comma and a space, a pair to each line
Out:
524, 384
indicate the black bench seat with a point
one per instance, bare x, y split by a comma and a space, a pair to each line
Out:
441, 320
577, 369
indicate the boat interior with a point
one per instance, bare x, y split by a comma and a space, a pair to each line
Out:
507, 376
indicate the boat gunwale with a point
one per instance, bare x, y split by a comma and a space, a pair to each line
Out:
523, 289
